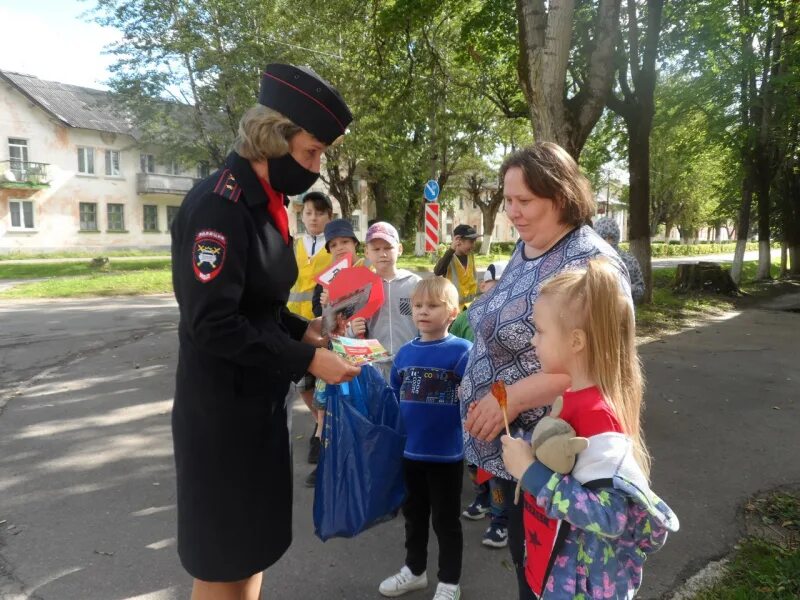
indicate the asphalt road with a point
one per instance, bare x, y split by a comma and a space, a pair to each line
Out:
87, 498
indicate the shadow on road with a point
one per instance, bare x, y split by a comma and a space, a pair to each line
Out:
87, 482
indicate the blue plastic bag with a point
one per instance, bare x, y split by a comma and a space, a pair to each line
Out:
360, 471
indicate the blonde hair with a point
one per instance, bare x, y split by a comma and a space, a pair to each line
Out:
439, 288
550, 172
595, 303
264, 133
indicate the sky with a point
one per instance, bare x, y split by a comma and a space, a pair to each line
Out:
50, 39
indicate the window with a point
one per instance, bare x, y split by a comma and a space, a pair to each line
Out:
88, 214
86, 160
355, 221
116, 217
174, 168
112, 163
21, 214
301, 229
18, 156
150, 217
147, 163
461, 203
202, 170
172, 212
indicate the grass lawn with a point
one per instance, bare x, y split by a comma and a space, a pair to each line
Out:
64, 269
671, 311
764, 565
82, 254
119, 277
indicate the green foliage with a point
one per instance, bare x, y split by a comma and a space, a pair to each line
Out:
661, 250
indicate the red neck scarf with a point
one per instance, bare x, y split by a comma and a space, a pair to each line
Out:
276, 209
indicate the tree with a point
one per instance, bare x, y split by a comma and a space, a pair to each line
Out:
636, 74
204, 58
566, 82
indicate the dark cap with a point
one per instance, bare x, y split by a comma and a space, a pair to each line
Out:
339, 228
301, 95
321, 201
465, 231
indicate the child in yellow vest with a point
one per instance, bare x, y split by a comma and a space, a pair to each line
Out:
309, 252
312, 259
462, 270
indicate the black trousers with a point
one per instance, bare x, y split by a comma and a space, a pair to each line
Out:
516, 537
434, 494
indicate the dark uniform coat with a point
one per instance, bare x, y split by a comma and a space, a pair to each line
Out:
239, 351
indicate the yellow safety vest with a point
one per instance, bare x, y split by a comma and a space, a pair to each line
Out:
307, 270
464, 278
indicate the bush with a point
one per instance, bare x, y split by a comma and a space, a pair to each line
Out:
675, 248
497, 247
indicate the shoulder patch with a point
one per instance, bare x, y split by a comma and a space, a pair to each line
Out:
208, 254
227, 187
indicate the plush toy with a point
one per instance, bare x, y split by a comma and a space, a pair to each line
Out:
555, 444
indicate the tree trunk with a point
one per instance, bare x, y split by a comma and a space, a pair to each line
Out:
381, 197
764, 258
489, 213
545, 40
704, 277
794, 261
743, 229
639, 171
784, 260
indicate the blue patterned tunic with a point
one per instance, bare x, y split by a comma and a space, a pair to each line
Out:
503, 332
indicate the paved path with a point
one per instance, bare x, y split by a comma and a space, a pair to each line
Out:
87, 499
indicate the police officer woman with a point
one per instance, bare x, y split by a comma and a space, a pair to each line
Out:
233, 267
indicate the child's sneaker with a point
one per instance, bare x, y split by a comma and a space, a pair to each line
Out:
447, 591
496, 536
476, 510
403, 582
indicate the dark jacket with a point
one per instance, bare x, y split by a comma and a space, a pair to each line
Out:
239, 351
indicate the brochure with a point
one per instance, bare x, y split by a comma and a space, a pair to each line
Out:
358, 351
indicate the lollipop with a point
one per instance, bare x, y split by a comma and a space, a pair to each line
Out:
499, 392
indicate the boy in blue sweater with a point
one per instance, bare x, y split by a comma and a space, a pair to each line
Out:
425, 377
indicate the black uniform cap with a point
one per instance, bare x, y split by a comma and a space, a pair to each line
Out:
301, 95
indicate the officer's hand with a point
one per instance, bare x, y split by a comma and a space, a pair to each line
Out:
331, 368
313, 334
456, 245
323, 297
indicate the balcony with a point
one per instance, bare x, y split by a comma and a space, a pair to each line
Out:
160, 183
16, 173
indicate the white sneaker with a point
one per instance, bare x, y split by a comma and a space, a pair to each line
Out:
403, 582
447, 591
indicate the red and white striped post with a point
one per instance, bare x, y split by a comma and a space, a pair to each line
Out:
431, 226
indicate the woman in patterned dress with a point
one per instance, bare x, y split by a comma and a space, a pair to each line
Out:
550, 202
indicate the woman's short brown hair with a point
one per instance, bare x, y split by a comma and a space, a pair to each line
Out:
264, 133
550, 172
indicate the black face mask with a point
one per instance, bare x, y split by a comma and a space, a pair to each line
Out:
288, 176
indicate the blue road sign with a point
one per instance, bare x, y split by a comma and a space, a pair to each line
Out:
431, 190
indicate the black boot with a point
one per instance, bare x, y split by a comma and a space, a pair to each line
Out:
313, 450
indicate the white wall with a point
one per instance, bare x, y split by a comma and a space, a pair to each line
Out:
56, 208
